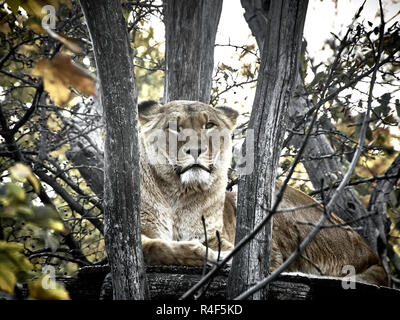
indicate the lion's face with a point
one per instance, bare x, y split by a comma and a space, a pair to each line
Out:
187, 139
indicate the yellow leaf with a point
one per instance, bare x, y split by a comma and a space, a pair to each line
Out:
15, 193
37, 291
53, 124
59, 74
58, 90
21, 172
25, 211
47, 218
34, 182
7, 279
28, 49
13, 263
11, 252
57, 226
4, 245
34, 8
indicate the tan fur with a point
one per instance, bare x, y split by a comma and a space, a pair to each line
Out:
172, 229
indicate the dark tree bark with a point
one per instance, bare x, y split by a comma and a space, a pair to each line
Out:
278, 69
190, 29
121, 156
256, 17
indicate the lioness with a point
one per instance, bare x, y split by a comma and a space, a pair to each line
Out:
183, 178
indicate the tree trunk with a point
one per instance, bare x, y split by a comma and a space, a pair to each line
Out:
190, 30
278, 69
348, 206
256, 17
378, 206
118, 96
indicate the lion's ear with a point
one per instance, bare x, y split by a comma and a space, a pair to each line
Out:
147, 109
230, 115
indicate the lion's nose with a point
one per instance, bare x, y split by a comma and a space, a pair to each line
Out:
195, 153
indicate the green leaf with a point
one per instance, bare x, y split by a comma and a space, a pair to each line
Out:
7, 279
23, 173
47, 218
14, 194
14, 5
13, 265
37, 291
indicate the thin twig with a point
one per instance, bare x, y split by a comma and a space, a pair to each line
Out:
219, 244
354, 183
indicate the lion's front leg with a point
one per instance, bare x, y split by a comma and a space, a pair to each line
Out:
169, 252
221, 246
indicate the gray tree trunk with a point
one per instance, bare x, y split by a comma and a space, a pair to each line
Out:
378, 206
256, 18
278, 69
121, 170
190, 30
348, 206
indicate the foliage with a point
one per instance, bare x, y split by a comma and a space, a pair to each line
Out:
149, 65
48, 104
16, 209
34, 11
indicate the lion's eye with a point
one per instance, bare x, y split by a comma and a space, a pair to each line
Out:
210, 125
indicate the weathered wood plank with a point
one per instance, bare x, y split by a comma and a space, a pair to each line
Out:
170, 282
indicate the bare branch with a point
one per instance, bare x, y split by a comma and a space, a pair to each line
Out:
342, 185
